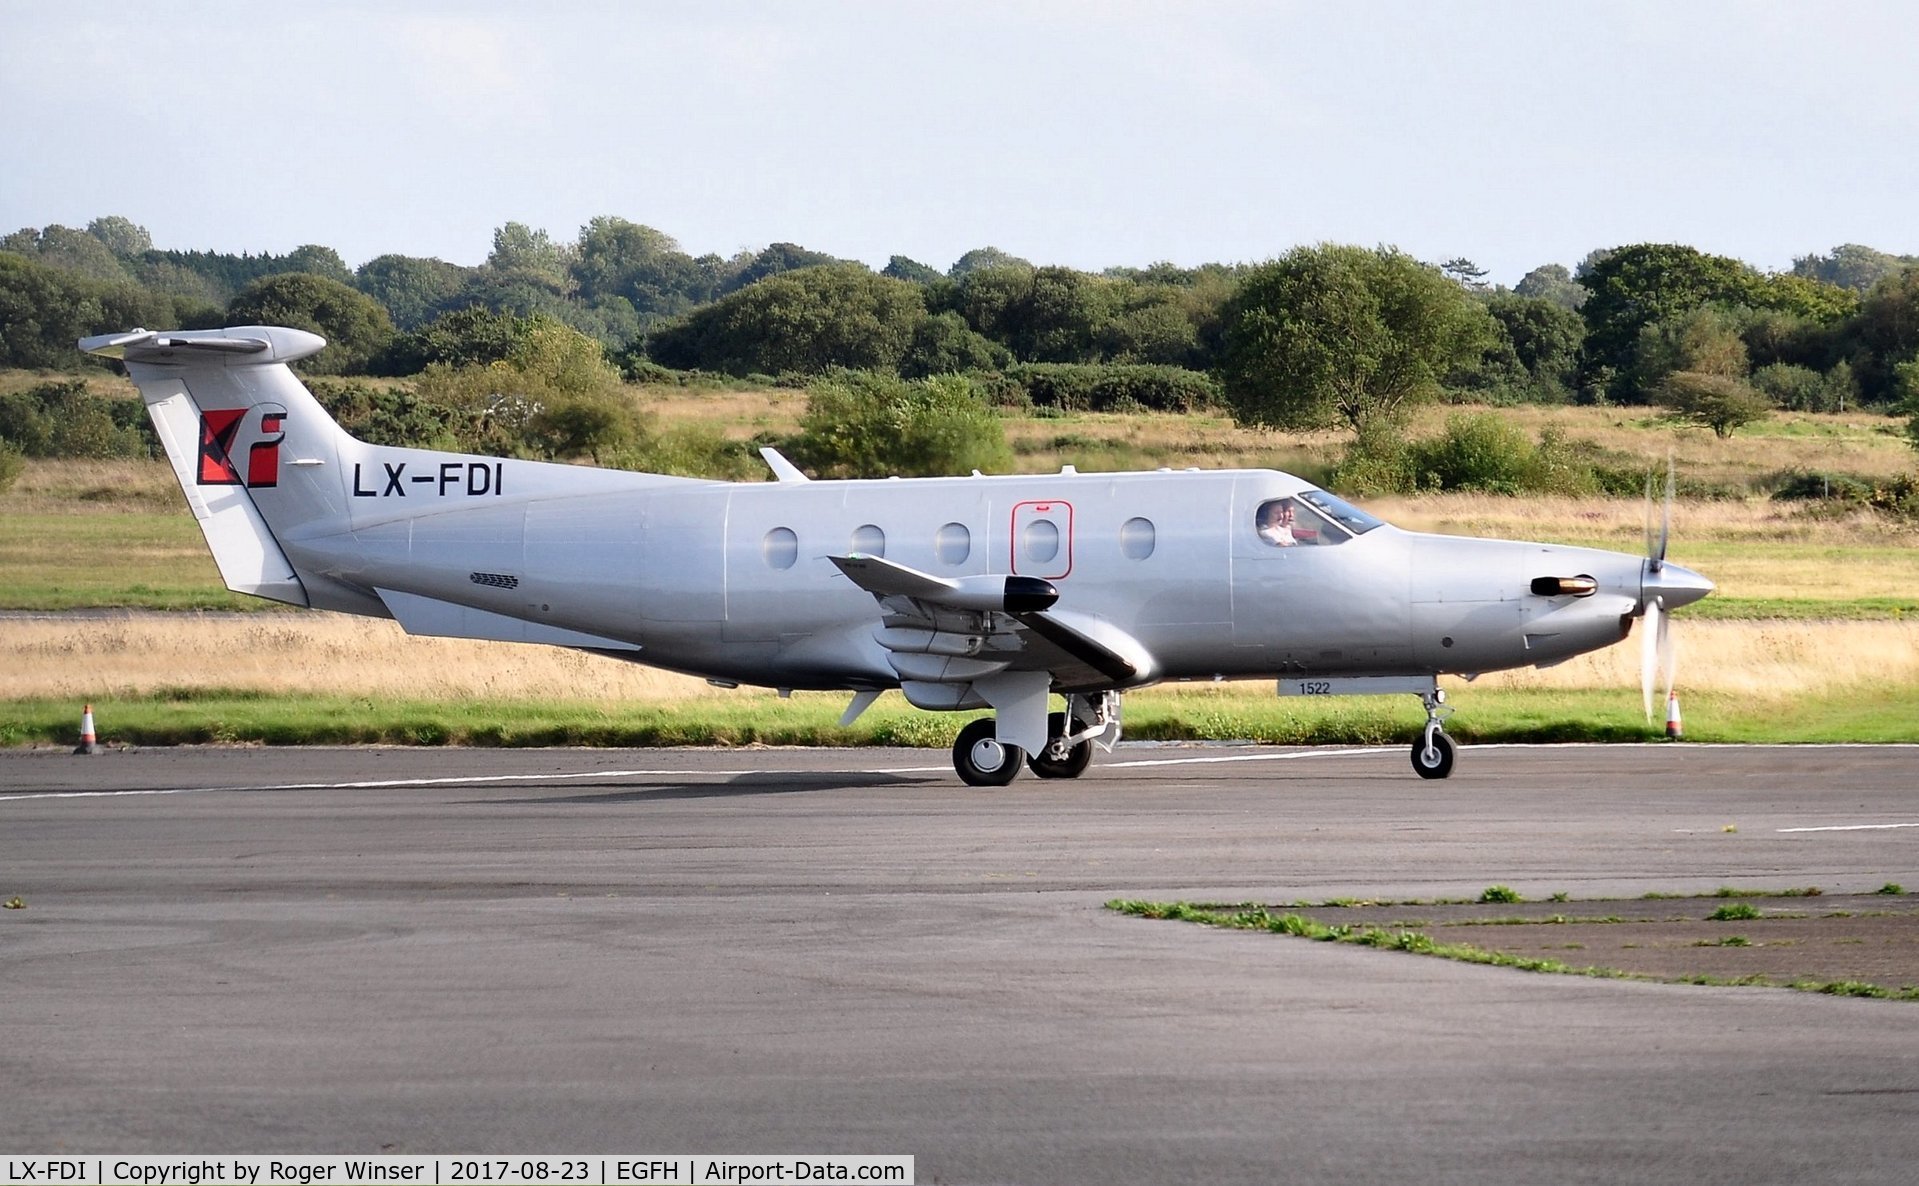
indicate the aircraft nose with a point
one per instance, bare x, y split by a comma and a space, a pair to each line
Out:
1674, 586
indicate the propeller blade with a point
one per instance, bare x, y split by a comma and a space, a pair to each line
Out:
1665, 518
1654, 630
1651, 541
1668, 657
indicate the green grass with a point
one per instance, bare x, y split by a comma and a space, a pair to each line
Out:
1420, 943
121, 560
206, 716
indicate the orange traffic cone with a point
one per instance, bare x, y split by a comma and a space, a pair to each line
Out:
89, 744
1674, 731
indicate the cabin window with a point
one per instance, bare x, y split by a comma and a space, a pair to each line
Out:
1137, 538
780, 548
1292, 522
1040, 541
953, 544
868, 540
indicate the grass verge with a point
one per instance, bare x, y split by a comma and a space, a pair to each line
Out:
1418, 942
183, 716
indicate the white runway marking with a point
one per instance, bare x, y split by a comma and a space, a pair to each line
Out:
477, 779
1849, 828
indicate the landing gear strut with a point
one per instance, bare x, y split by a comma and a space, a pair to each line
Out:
1091, 718
1432, 749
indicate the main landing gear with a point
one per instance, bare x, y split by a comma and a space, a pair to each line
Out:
1432, 749
983, 760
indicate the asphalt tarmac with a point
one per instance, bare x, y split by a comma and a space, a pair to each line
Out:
847, 951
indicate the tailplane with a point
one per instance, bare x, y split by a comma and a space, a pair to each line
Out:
254, 452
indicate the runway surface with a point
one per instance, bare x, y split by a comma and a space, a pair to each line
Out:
847, 951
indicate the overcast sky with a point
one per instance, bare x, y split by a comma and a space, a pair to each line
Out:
1070, 132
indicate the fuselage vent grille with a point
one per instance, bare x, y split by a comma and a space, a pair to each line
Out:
496, 580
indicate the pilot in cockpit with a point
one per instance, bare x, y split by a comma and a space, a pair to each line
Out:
1276, 520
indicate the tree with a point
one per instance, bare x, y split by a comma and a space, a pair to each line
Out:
1334, 334
985, 257
1552, 282
1851, 266
643, 266
901, 268
122, 236
1720, 402
44, 311
69, 250
414, 291
356, 327
318, 261
774, 259
807, 321
1632, 287
1541, 337
943, 344
1886, 333
1465, 273
521, 252
1705, 340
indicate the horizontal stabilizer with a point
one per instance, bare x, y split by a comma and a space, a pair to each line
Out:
444, 619
259, 343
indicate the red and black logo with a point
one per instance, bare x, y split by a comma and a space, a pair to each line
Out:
228, 434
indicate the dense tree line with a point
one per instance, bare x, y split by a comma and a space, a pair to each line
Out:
1323, 335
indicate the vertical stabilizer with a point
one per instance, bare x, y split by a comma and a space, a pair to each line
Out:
254, 452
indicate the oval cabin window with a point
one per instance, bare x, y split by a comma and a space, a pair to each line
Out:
953, 544
1040, 541
780, 548
1137, 538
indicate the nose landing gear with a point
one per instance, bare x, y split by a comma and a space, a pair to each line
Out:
1432, 749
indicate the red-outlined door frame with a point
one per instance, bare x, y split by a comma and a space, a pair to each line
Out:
1053, 510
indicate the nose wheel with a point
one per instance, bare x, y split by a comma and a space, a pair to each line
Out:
1432, 749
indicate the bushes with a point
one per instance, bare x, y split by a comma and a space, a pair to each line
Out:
1114, 387
860, 425
1475, 452
66, 420
11, 466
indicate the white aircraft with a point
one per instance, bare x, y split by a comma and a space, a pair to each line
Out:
963, 593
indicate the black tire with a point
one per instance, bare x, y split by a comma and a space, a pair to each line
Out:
974, 753
1443, 750
1072, 765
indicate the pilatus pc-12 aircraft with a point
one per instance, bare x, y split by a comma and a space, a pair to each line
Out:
963, 593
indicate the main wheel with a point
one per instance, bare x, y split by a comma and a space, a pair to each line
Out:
980, 757
1072, 765
1435, 764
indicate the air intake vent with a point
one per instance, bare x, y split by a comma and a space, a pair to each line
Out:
496, 580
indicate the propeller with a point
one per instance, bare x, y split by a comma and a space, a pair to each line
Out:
1656, 653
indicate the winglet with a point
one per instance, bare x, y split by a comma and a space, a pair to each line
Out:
783, 469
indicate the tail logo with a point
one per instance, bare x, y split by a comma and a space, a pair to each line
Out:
225, 437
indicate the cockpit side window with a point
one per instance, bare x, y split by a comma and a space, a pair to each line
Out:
1291, 523
1340, 511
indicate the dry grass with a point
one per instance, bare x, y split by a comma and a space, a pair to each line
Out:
331, 654
306, 653
87, 487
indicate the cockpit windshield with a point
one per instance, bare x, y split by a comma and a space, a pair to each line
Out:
1344, 513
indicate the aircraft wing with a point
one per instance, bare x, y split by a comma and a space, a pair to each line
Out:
955, 631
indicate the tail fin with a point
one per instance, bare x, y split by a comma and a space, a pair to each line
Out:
253, 450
